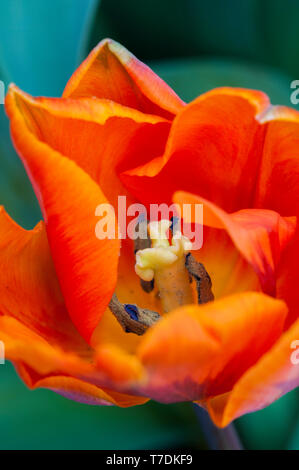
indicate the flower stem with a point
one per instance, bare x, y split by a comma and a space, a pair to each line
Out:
216, 438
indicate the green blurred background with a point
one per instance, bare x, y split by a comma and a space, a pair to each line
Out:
195, 45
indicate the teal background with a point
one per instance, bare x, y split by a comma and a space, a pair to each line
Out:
195, 45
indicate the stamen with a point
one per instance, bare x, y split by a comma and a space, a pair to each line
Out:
166, 263
132, 318
202, 279
172, 270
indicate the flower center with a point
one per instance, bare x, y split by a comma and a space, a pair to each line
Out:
171, 268
165, 263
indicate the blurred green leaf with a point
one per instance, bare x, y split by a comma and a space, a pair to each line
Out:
264, 32
191, 77
293, 441
41, 43
271, 427
41, 419
150, 29
279, 21
176, 28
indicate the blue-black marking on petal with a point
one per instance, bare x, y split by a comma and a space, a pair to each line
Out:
132, 311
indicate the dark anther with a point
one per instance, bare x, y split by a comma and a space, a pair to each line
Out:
147, 286
132, 318
140, 244
202, 279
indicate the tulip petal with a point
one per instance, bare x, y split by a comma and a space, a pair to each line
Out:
112, 72
35, 359
100, 136
78, 390
42, 365
214, 149
260, 235
287, 283
272, 376
29, 288
23, 345
209, 346
86, 267
118, 366
278, 184
110, 331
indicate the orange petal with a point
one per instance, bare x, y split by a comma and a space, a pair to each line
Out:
287, 284
29, 288
260, 235
112, 72
110, 331
271, 377
86, 266
278, 184
41, 365
36, 359
214, 149
102, 137
119, 366
78, 390
23, 345
209, 346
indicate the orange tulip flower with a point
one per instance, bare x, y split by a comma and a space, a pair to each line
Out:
118, 129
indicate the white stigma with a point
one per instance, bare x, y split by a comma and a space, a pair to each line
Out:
162, 254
